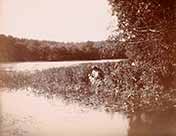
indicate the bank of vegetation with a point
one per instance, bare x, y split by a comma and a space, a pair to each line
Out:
121, 87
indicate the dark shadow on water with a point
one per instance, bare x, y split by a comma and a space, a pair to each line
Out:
161, 123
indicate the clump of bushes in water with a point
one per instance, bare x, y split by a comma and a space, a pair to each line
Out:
14, 79
123, 87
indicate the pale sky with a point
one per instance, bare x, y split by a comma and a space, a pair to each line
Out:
59, 20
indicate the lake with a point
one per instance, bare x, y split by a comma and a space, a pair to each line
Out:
23, 113
32, 66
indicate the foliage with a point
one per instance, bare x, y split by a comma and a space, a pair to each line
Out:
120, 88
148, 31
136, 17
14, 49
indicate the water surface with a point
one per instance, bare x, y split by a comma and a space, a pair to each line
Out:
32, 66
23, 113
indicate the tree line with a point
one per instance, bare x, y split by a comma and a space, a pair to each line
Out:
15, 49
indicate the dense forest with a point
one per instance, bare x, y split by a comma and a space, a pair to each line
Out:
15, 49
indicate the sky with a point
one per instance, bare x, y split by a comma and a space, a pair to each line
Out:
58, 20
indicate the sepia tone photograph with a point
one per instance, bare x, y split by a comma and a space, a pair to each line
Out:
87, 67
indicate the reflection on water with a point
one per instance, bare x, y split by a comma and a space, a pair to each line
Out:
26, 114
161, 123
31, 66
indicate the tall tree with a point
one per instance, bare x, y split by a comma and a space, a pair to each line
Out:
148, 30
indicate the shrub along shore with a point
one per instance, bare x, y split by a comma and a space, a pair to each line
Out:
113, 86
